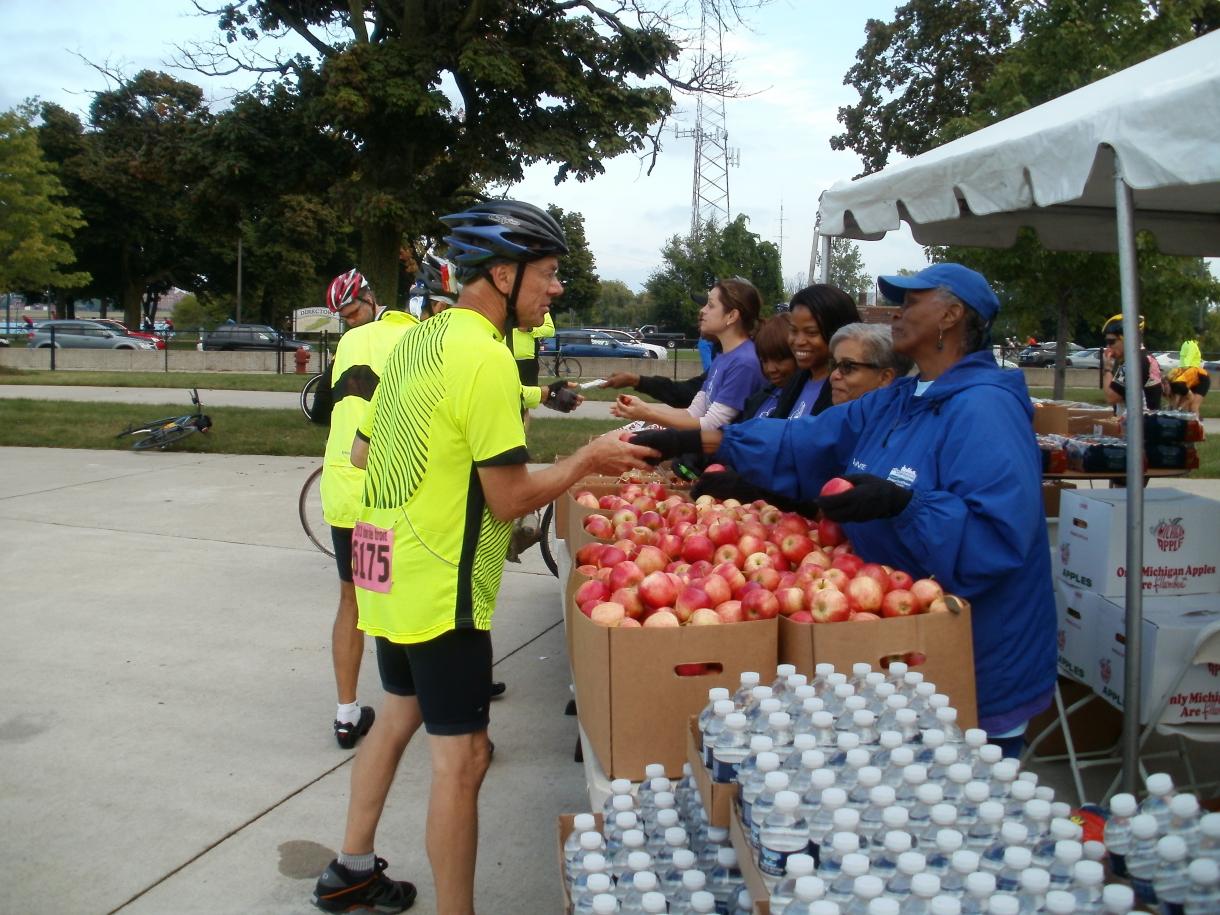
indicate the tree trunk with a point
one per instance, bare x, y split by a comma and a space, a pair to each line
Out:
1061, 332
131, 291
380, 244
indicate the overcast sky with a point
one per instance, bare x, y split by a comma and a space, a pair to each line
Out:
790, 60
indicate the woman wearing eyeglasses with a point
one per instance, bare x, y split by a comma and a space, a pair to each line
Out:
946, 483
1114, 369
814, 315
863, 359
730, 314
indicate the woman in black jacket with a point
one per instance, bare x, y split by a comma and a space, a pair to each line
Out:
814, 314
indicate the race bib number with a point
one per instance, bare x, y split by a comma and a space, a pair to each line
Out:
372, 556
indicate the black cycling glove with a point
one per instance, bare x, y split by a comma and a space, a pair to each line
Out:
870, 498
561, 397
670, 442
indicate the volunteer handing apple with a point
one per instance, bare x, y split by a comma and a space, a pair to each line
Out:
946, 483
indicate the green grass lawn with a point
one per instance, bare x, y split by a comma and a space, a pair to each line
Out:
216, 381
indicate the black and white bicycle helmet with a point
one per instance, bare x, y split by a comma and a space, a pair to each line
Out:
440, 277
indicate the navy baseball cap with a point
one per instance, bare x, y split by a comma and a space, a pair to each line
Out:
968, 285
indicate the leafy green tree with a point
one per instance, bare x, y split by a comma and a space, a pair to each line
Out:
847, 270
578, 269
571, 83
36, 226
692, 264
618, 306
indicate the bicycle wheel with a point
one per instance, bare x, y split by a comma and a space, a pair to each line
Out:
309, 506
567, 367
308, 393
161, 438
550, 540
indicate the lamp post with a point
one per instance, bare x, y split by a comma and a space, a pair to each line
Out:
239, 273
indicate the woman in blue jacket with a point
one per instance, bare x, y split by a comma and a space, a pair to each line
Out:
947, 483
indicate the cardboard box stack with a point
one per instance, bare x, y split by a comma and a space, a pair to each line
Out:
1181, 596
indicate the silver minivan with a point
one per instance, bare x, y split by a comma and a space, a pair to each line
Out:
71, 334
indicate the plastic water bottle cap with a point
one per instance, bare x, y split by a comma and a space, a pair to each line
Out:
803, 742
884, 689
846, 819
925, 885
863, 718
667, 817
599, 882
1005, 770
1159, 783
1184, 806
883, 905
583, 822
1204, 871
980, 884
946, 714
948, 840
821, 778
858, 757
977, 792
823, 670
930, 794
1143, 826
896, 701
590, 841
1094, 850
1017, 857
911, 862
1170, 848
620, 786
1209, 825
861, 669
848, 741
1059, 902
906, 717
735, 721
898, 669
702, 901
639, 862
1068, 851
975, 738
653, 902
718, 835
657, 770
799, 866
881, 795
1063, 810
784, 671
822, 720
990, 754
833, 797
944, 905
890, 740
664, 798
874, 679
812, 759
633, 838
845, 843
938, 701
844, 690
1063, 829
659, 784
1089, 873
933, 737
784, 800
869, 776
868, 886
684, 859
749, 678
895, 817
716, 693
779, 720
1021, 791
991, 811
914, 774
769, 706
855, 865
693, 880
759, 693
622, 803
944, 755
727, 857
902, 756
944, 814
723, 707
768, 761
897, 841
1037, 809
1118, 897
604, 904
805, 692
960, 773
1015, 833
626, 819
912, 678
796, 681
776, 781
808, 887
1035, 880
1003, 904
1045, 793
965, 861
834, 678
675, 835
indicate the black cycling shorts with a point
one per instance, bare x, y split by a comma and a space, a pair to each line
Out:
449, 675
341, 539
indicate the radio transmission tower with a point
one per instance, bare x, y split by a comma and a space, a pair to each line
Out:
710, 188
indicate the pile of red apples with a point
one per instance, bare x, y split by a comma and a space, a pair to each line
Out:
663, 561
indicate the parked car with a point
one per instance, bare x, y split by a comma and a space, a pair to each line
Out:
1167, 360
1085, 359
72, 334
1043, 354
583, 342
123, 328
633, 339
251, 337
650, 333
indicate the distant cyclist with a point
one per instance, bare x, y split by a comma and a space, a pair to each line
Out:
1115, 374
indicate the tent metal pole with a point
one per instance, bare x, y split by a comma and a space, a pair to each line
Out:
824, 259
1132, 345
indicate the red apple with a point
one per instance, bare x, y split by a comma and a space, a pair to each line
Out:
609, 502
729, 553
756, 561
899, 602
767, 577
900, 580
714, 468
623, 531
731, 573
628, 623
863, 616
683, 511
937, 606
608, 614
599, 526
830, 533
723, 531
749, 544
790, 580
630, 599
629, 547
625, 575
770, 515
830, 606
591, 590
610, 557
644, 536
835, 485
700, 568
644, 504
759, 605
624, 516
802, 616
816, 559
778, 562
835, 578
651, 559
682, 613
651, 520
691, 598
926, 590
657, 590
587, 555
878, 573
849, 563
671, 544
792, 523
791, 600
795, 547
705, 616
656, 490
864, 594
587, 571
586, 499
718, 590
698, 546
662, 619
730, 611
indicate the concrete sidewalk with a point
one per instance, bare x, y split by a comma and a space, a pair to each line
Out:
167, 693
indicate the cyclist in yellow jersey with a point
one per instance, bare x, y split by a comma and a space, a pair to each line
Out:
444, 448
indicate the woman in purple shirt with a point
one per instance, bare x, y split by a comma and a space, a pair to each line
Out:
814, 314
729, 314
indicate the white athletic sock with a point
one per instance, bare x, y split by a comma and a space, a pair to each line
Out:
348, 713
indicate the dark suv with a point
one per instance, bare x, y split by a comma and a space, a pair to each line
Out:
251, 336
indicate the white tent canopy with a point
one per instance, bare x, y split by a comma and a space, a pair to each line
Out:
1052, 168
1137, 150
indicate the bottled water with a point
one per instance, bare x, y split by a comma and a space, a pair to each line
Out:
1184, 821
911, 679
872, 817
802, 778
604, 904
647, 801
811, 801
705, 856
1018, 795
782, 673
1033, 884
1117, 899
899, 758
1016, 859
631, 893
913, 776
957, 776
879, 694
907, 721
896, 671
1203, 896
887, 720
823, 725
675, 838
1037, 818
864, 723
887, 743
587, 841
686, 791
820, 674
1004, 904
715, 727
753, 779
803, 722
844, 743
1142, 860
701, 901
909, 864
799, 865
1160, 793
927, 796
986, 828
759, 715
651, 771
623, 821
693, 881
1171, 880
633, 841
725, 880
1209, 837
893, 819
779, 726
745, 905
757, 695
946, 720
664, 803
1059, 902
1094, 850
652, 903
671, 877
980, 886
773, 784
895, 844
859, 672
942, 758
620, 787
932, 738
961, 865
1044, 851
842, 888
867, 778
846, 820
807, 893
1067, 853
596, 884
830, 863
882, 905
783, 833
865, 890
823, 818
942, 816
592, 863
1088, 878
1003, 774
855, 760
835, 699
945, 905
948, 841
923, 887
974, 739
988, 755
749, 680
731, 748
666, 820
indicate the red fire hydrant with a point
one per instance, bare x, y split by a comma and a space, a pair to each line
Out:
302, 360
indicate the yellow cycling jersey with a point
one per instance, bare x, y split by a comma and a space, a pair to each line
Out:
428, 554
359, 361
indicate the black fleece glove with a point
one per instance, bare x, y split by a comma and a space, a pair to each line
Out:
561, 397
670, 442
870, 498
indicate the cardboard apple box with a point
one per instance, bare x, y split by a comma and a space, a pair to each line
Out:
1170, 627
563, 827
1076, 632
632, 702
747, 861
1064, 418
717, 797
1181, 533
1052, 491
944, 639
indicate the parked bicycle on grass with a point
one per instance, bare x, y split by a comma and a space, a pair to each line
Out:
160, 433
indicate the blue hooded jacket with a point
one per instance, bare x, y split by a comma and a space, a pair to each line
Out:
975, 521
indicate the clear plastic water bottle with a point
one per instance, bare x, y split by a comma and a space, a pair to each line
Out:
725, 880
779, 727
701, 902
927, 796
1004, 904
895, 672
957, 776
782, 833
811, 800
1142, 859
693, 881
652, 903
753, 778
855, 760
731, 748
864, 723
893, 819
831, 799
655, 840
604, 904
1160, 793
807, 899
941, 816
942, 758
1171, 880
830, 862
1033, 884
663, 802
872, 817
945, 905
867, 778
980, 887
671, 877
633, 841
962, 864
899, 758
822, 673
620, 787
800, 779
986, 828
760, 714
882, 905
1067, 853
894, 845
906, 720
973, 795
802, 722
1016, 859
623, 820
887, 742
651, 771
1088, 879
745, 904
1184, 821
686, 791
1037, 818
576, 846
932, 739
757, 695
923, 887
1094, 850
879, 694
836, 698
913, 776
1203, 895
1117, 899
887, 720
844, 743
866, 889
946, 720
675, 838
842, 888
823, 728
782, 673
988, 755
714, 728
846, 820
705, 853
1044, 851
799, 689
909, 864
948, 841
590, 864
773, 784
596, 884
1209, 837
1059, 902
748, 680
631, 892
1003, 775
798, 865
